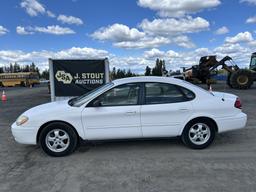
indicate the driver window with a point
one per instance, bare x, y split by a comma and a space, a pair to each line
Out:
127, 94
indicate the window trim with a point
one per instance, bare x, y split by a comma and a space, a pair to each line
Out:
140, 85
176, 86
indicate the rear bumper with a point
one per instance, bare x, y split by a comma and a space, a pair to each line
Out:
24, 135
232, 123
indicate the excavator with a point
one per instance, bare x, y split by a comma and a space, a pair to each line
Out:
237, 78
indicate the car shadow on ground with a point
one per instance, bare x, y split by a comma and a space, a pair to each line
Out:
174, 144
222, 141
127, 144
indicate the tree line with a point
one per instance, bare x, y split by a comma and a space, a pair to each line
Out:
116, 73
158, 70
17, 68
121, 73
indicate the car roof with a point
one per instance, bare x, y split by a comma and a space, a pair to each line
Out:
147, 79
171, 80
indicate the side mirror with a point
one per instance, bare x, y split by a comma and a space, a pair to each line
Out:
97, 103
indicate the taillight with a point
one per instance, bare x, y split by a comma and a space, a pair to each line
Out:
238, 103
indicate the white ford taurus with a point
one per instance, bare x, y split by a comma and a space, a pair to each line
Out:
139, 107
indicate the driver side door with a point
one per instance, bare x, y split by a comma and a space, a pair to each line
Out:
117, 114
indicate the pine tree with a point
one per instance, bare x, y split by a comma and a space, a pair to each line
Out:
45, 74
16, 68
147, 71
11, 69
113, 73
128, 73
32, 67
26, 68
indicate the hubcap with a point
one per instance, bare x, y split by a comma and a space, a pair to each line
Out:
199, 133
57, 140
242, 79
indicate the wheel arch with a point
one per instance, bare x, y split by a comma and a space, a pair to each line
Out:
55, 121
202, 118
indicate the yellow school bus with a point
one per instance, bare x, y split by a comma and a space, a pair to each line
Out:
21, 79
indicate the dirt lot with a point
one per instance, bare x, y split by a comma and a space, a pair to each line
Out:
152, 165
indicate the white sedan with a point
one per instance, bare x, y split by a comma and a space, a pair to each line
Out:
138, 107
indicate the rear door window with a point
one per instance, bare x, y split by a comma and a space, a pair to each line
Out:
161, 93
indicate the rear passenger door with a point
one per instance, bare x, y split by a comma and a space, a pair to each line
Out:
165, 109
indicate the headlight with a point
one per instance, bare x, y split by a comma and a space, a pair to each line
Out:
21, 120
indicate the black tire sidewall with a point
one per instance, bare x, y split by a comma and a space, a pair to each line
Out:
234, 76
62, 126
189, 143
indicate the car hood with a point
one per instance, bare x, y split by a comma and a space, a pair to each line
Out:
54, 111
47, 107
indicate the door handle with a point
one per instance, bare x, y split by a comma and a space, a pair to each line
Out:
131, 112
183, 109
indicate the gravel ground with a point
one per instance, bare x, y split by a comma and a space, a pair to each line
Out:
229, 164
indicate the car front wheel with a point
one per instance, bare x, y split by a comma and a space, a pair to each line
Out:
199, 134
58, 139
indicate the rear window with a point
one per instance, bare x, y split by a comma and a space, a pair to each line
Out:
189, 94
190, 84
160, 93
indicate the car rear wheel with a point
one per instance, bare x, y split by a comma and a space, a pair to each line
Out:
199, 134
58, 139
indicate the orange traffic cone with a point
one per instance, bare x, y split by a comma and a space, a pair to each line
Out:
4, 98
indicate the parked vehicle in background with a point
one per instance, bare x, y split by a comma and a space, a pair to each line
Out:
138, 107
237, 78
22, 79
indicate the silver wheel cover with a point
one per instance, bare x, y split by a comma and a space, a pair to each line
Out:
199, 133
57, 140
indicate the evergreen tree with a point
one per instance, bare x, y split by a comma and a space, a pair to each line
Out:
26, 68
159, 68
113, 73
147, 71
45, 74
11, 69
128, 73
32, 67
16, 68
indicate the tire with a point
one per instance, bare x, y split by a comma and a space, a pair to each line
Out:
199, 134
58, 139
228, 80
241, 79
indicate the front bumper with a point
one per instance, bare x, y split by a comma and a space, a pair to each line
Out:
232, 123
24, 135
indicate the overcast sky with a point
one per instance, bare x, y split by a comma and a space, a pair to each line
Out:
131, 33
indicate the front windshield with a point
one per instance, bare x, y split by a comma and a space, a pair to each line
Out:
253, 62
78, 101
